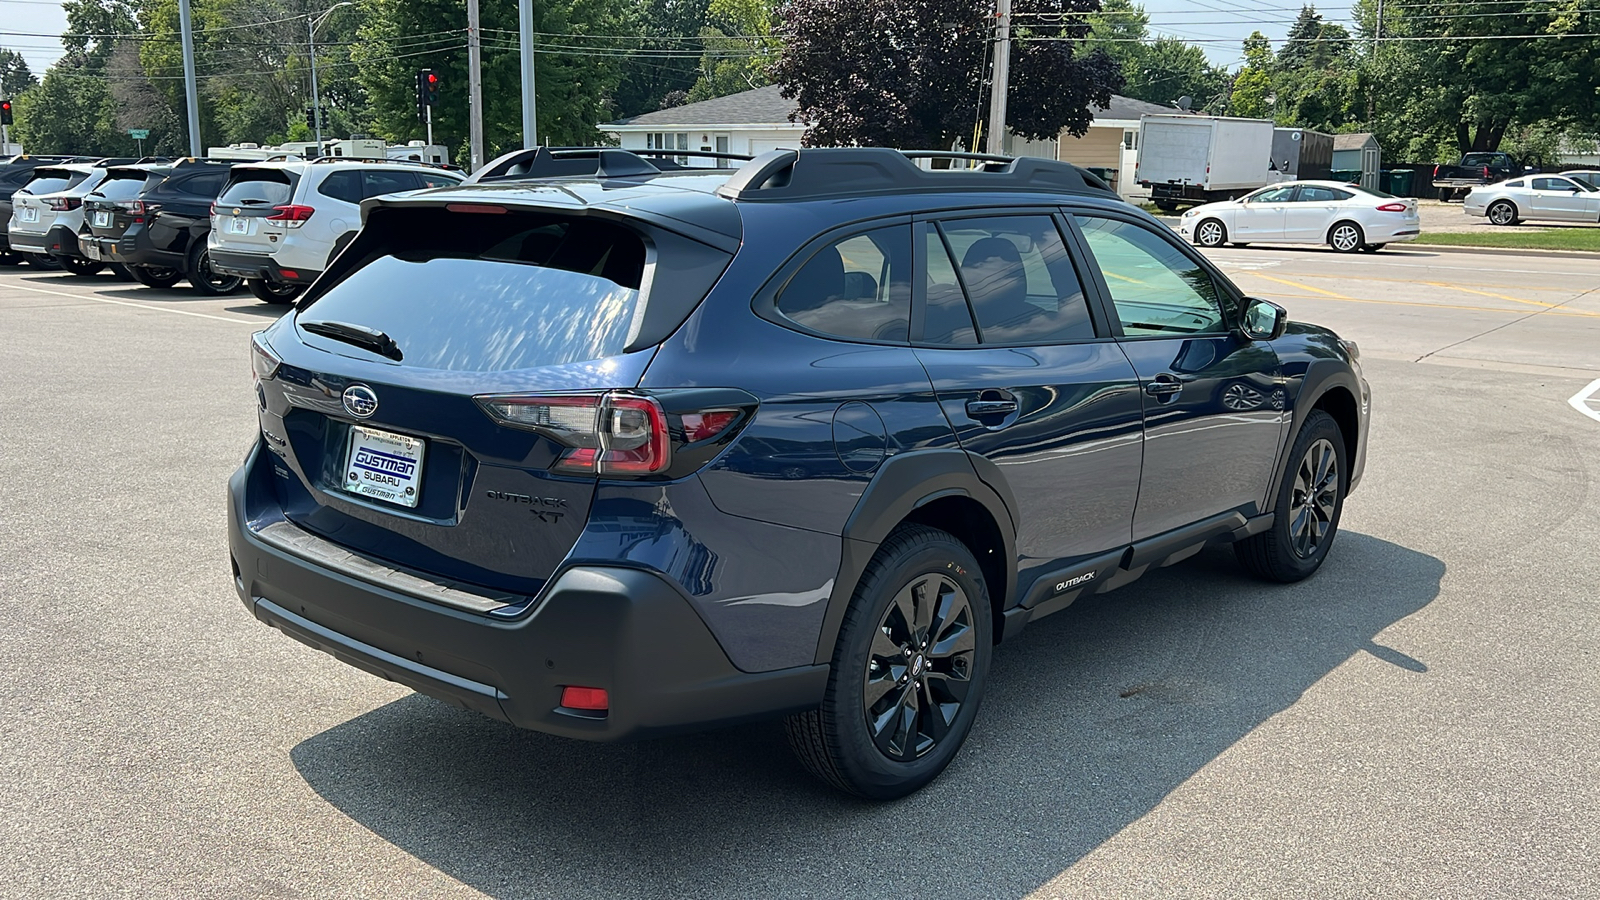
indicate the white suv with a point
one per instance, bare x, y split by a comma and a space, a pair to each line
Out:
47, 214
279, 224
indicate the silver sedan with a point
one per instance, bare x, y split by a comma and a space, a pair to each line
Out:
1551, 197
1346, 217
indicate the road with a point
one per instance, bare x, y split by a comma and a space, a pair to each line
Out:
1417, 720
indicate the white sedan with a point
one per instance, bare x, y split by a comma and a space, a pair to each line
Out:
1552, 197
1346, 217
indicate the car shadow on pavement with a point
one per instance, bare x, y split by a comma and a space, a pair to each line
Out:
1093, 716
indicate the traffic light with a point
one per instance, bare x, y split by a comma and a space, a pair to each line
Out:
5, 112
311, 118
428, 86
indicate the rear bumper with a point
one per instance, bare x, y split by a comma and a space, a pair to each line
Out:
61, 242
27, 241
626, 630
257, 265
130, 250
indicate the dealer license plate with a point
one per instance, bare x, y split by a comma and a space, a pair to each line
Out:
102, 218
237, 225
91, 248
27, 214
384, 466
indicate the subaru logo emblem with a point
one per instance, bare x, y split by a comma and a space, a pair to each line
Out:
360, 401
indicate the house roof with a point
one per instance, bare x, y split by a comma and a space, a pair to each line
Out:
767, 106
1353, 141
762, 106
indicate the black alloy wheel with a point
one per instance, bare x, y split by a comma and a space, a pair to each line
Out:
1345, 237
1210, 233
155, 276
277, 292
1502, 212
206, 280
81, 266
1309, 502
908, 669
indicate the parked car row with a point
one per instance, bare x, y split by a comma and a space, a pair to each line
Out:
271, 227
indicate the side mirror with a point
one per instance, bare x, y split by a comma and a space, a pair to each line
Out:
1262, 320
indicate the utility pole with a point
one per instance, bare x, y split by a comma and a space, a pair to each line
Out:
192, 93
311, 41
1001, 80
474, 86
530, 109
1377, 37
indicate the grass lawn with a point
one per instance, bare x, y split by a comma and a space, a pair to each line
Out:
1554, 239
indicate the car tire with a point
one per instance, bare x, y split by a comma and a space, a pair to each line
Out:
155, 276
1502, 212
1166, 206
1309, 504
203, 279
277, 292
1211, 233
77, 266
1346, 237
10, 258
1445, 194
1371, 248
888, 647
39, 260
1241, 244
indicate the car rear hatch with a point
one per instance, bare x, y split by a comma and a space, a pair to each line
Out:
116, 204
36, 206
436, 401
255, 209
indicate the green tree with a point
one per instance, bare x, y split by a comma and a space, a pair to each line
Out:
1252, 95
738, 48
15, 77
660, 66
1158, 70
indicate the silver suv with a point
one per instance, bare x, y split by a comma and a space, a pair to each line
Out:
278, 224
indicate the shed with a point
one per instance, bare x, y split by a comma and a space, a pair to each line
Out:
1358, 153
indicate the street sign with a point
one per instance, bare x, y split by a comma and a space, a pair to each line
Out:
138, 134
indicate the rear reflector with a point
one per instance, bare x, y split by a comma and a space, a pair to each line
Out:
707, 424
292, 274
589, 698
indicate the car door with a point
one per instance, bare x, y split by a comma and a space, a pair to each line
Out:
1260, 215
1030, 380
1314, 210
1560, 199
1213, 401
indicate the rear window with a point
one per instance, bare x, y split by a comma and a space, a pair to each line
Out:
1485, 159
258, 187
122, 188
50, 181
1371, 192
510, 292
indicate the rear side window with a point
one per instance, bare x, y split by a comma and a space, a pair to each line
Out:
1316, 193
345, 185
258, 187
50, 181
1156, 289
121, 188
206, 184
857, 288
434, 180
376, 182
1019, 280
492, 293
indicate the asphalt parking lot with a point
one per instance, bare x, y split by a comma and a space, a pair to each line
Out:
1417, 720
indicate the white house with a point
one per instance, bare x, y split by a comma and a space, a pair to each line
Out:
756, 121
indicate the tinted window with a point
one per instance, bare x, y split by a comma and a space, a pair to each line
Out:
1518, 183
1312, 193
1485, 159
859, 287
1371, 192
518, 292
945, 318
50, 181
345, 185
1156, 289
1553, 184
206, 184
120, 188
1019, 280
435, 179
257, 187
378, 183
1273, 195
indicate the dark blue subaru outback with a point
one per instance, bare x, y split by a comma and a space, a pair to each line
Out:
609, 448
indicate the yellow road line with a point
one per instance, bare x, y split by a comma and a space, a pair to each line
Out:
1454, 287
1417, 281
1296, 284
1575, 314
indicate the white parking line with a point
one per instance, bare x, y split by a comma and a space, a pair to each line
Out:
149, 306
1586, 402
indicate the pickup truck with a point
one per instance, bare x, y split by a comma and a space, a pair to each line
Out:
1474, 170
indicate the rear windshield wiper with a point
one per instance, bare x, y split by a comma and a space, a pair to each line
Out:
359, 335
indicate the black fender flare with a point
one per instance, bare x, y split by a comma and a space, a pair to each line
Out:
1321, 376
903, 483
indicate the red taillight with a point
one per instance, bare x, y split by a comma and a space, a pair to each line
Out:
64, 204
1485, 171
1392, 207
604, 434
1436, 171
708, 424
213, 207
586, 698
263, 364
292, 215
134, 206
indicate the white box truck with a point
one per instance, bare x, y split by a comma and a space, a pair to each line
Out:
1185, 160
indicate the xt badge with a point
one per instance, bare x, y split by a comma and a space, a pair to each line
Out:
548, 509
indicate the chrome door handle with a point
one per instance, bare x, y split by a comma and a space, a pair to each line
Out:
983, 409
1163, 386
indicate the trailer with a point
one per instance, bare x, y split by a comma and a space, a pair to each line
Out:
1299, 154
1186, 160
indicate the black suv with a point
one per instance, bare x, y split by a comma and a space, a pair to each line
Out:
610, 448
14, 173
154, 218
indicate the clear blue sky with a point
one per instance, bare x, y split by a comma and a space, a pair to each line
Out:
1221, 24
